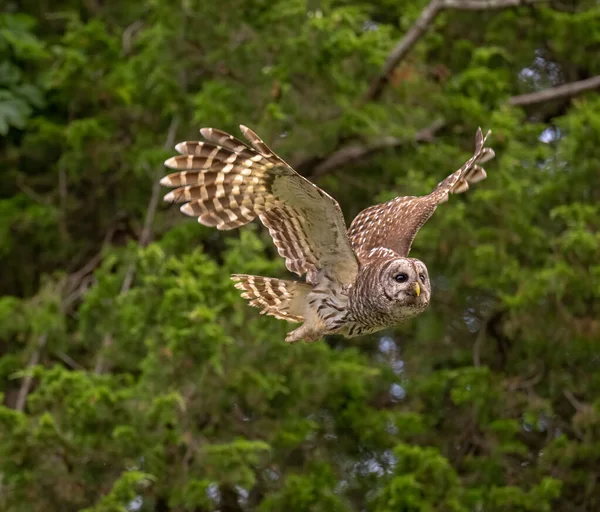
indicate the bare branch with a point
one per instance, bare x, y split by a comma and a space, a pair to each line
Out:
425, 19
101, 361
403, 47
144, 237
77, 283
26, 384
355, 152
129, 34
152, 205
481, 5
351, 153
480, 339
69, 361
561, 91
32, 194
577, 405
63, 193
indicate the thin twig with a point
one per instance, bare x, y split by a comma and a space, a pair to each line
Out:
577, 405
63, 193
32, 194
481, 335
355, 152
484, 5
144, 237
400, 51
69, 361
101, 361
561, 91
71, 298
529, 383
26, 384
129, 34
77, 283
152, 206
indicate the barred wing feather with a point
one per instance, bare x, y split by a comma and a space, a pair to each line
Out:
227, 183
394, 225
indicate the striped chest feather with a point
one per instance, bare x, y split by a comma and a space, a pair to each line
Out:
328, 302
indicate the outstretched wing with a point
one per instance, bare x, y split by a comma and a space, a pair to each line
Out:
394, 225
226, 183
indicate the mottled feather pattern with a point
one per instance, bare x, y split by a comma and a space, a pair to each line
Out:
290, 239
394, 225
226, 183
222, 188
470, 172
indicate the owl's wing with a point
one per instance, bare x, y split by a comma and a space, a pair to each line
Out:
227, 183
394, 225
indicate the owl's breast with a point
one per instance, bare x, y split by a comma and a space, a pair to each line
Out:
327, 303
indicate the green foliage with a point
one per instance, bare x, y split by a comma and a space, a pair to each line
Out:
123, 492
313, 491
19, 51
150, 384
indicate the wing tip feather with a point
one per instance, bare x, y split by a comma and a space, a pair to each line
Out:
165, 181
171, 163
187, 209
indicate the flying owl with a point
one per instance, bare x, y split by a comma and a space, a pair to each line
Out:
358, 280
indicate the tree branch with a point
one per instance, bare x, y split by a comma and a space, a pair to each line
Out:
26, 384
561, 91
425, 19
69, 361
403, 47
355, 152
577, 405
484, 5
78, 282
350, 153
152, 206
144, 236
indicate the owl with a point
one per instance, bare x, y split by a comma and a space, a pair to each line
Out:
358, 280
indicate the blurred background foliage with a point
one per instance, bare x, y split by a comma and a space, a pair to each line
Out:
133, 377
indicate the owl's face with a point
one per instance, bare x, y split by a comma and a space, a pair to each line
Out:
388, 291
405, 284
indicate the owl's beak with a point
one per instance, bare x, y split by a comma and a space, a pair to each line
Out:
417, 289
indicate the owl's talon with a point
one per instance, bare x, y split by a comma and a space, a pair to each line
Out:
303, 333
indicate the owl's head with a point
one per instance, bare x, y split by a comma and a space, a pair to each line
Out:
398, 288
405, 282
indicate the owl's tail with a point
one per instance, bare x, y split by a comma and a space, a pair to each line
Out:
278, 298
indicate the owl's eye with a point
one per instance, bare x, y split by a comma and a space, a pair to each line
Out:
422, 277
401, 278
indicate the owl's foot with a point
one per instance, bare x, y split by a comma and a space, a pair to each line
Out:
303, 333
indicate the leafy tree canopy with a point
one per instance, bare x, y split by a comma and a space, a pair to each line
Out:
132, 375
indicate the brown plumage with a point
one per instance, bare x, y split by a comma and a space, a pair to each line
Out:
394, 225
358, 280
226, 184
